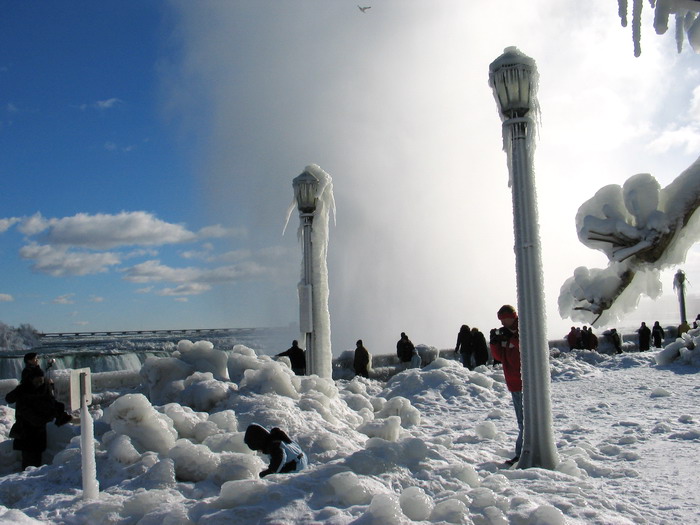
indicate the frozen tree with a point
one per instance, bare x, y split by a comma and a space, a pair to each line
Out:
685, 13
642, 229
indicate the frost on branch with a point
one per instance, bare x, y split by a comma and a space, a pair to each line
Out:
642, 229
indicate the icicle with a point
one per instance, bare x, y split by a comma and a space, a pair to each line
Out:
622, 11
637, 26
679, 32
694, 35
663, 9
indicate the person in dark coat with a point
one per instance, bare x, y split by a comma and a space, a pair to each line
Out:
361, 361
592, 339
616, 340
35, 406
404, 348
285, 455
464, 346
480, 350
571, 338
657, 334
296, 357
644, 337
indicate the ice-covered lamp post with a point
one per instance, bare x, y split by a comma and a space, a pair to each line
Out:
305, 191
679, 285
513, 78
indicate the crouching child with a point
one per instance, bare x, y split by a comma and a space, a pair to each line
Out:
285, 455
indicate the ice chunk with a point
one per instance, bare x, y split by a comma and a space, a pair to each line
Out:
121, 450
400, 406
204, 358
352, 489
193, 462
416, 504
240, 492
384, 510
388, 429
133, 415
450, 510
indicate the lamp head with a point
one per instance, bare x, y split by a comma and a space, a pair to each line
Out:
513, 78
305, 188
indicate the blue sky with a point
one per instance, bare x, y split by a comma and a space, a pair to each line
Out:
147, 151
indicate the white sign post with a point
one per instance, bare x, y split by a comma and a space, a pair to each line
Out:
80, 398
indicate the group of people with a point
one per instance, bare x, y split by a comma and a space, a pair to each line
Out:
582, 338
648, 335
471, 346
297, 359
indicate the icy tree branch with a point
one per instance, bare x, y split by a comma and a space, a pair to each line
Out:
642, 229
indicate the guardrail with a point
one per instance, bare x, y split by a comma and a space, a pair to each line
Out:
136, 332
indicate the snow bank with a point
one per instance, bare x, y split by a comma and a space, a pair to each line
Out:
372, 459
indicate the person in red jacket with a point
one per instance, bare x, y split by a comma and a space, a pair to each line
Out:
505, 346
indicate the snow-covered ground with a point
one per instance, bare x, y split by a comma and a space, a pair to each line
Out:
427, 446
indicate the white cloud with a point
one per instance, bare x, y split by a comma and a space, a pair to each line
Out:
60, 262
217, 231
686, 137
107, 104
6, 224
64, 299
6, 298
96, 299
154, 271
103, 231
186, 289
102, 105
33, 225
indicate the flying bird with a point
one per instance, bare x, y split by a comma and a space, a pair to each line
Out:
363, 9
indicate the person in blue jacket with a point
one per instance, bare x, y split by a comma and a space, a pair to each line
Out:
285, 455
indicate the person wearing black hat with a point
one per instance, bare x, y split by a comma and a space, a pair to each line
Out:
35, 406
285, 455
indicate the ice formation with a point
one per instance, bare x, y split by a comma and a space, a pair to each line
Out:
642, 229
685, 13
322, 358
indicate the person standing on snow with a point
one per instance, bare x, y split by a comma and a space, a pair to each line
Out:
35, 406
361, 361
464, 346
296, 358
285, 455
657, 334
404, 348
616, 340
644, 337
505, 346
481, 351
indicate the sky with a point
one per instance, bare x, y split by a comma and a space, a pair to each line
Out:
147, 151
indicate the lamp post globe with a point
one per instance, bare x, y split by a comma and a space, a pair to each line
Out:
305, 187
513, 77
